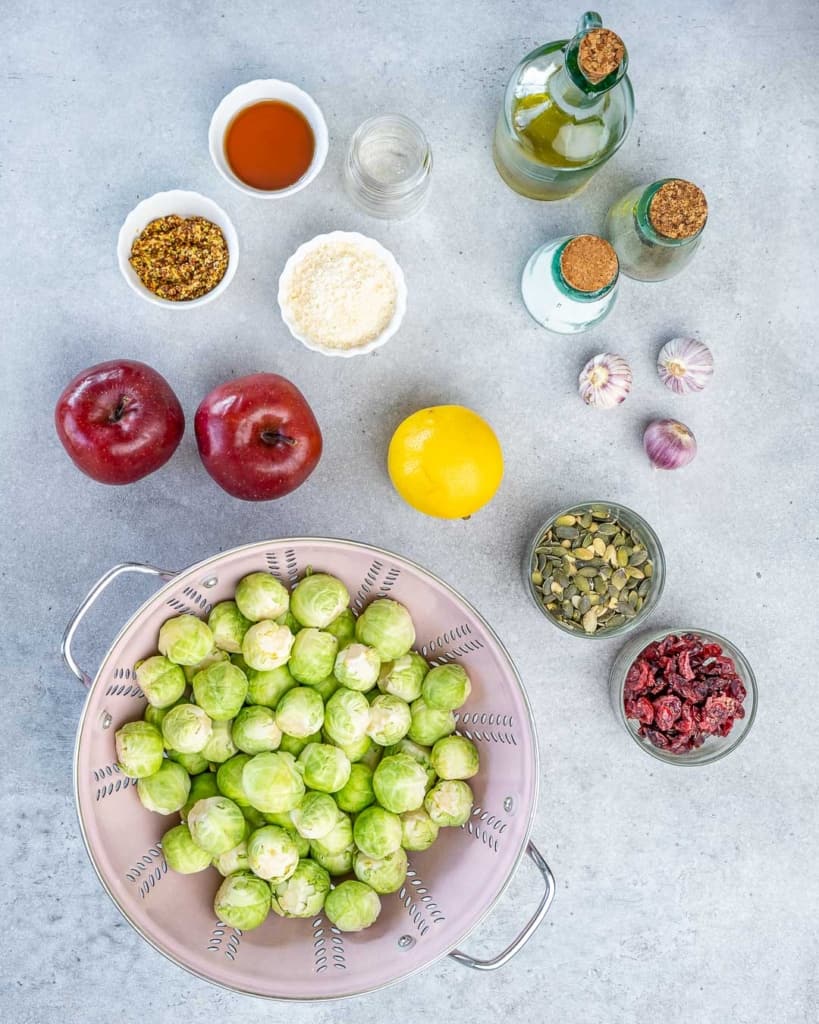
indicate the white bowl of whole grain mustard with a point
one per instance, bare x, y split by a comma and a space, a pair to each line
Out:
342, 294
213, 260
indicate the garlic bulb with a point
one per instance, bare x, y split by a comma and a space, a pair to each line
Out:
669, 444
605, 381
685, 365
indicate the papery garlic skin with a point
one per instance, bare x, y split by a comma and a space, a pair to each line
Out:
685, 365
669, 444
605, 381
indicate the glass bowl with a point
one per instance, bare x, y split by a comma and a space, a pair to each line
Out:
714, 747
631, 521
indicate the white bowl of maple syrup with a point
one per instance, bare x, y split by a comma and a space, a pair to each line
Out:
268, 138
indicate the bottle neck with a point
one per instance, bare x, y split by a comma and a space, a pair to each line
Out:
573, 293
647, 231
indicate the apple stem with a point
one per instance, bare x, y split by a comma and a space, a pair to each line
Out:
274, 437
119, 412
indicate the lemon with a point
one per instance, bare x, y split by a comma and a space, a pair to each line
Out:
445, 461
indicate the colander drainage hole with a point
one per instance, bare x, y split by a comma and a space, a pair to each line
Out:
509, 805
211, 581
406, 942
105, 720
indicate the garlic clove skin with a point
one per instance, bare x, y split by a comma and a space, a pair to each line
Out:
685, 365
605, 381
669, 444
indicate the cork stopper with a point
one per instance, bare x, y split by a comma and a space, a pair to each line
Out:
600, 53
678, 209
588, 263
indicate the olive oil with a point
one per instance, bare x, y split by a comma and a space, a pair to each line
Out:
558, 138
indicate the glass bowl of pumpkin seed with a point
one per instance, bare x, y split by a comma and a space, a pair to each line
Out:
596, 569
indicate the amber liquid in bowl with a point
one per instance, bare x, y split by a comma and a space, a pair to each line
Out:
269, 145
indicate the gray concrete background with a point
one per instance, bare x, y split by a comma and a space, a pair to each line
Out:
682, 895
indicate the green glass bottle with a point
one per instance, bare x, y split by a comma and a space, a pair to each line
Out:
567, 109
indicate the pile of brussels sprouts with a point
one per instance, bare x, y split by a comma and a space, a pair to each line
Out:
298, 744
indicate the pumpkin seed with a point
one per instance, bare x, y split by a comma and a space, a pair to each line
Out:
622, 555
584, 604
590, 621
537, 578
567, 608
600, 585
589, 571
586, 554
585, 520
638, 556
582, 584
567, 520
567, 532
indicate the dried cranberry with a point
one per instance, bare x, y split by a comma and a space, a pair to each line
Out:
666, 712
686, 723
659, 739
684, 665
644, 711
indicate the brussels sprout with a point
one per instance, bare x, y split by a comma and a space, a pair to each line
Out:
271, 853
289, 620
255, 730
357, 793
194, 764
186, 729
313, 656
220, 746
449, 802
220, 690
239, 662
281, 818
347, 716
446, 687
352, 906
140, 749
377, 832
300, 712
355, 751
324, 767
217, 824
326, 688
334, 863
272, 783
429, 724
399, 783
214, 656
268, 688
357, 667
337, 840
343, 628
182, 853
267, 646
242, 901
295, 744
232, 861
372, 757
229, 779
417, 753
156, 716
404, 676
185, 640
303, 893
318, 599
386, 625
261, 596
455, 757
166, 790
302, 844
390, 719
385, 875
202, 786
162, 682
418, 830
315, 816
228, 626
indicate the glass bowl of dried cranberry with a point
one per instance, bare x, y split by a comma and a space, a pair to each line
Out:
686, 696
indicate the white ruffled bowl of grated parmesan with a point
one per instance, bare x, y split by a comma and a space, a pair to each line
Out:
342, 294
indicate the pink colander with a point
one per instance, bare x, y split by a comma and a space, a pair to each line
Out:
449, 889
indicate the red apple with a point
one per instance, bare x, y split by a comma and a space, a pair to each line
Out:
258, 437
119, 421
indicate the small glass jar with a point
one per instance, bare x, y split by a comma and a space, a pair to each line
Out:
646, 535
388, 167
656, 229
559, 297
714, 747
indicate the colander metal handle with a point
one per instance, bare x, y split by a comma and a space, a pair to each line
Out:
82, 609
531, 926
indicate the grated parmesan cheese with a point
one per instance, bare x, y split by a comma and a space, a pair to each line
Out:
341, 295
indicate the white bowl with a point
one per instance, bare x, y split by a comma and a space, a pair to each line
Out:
255, 92
185, 204
370, 245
